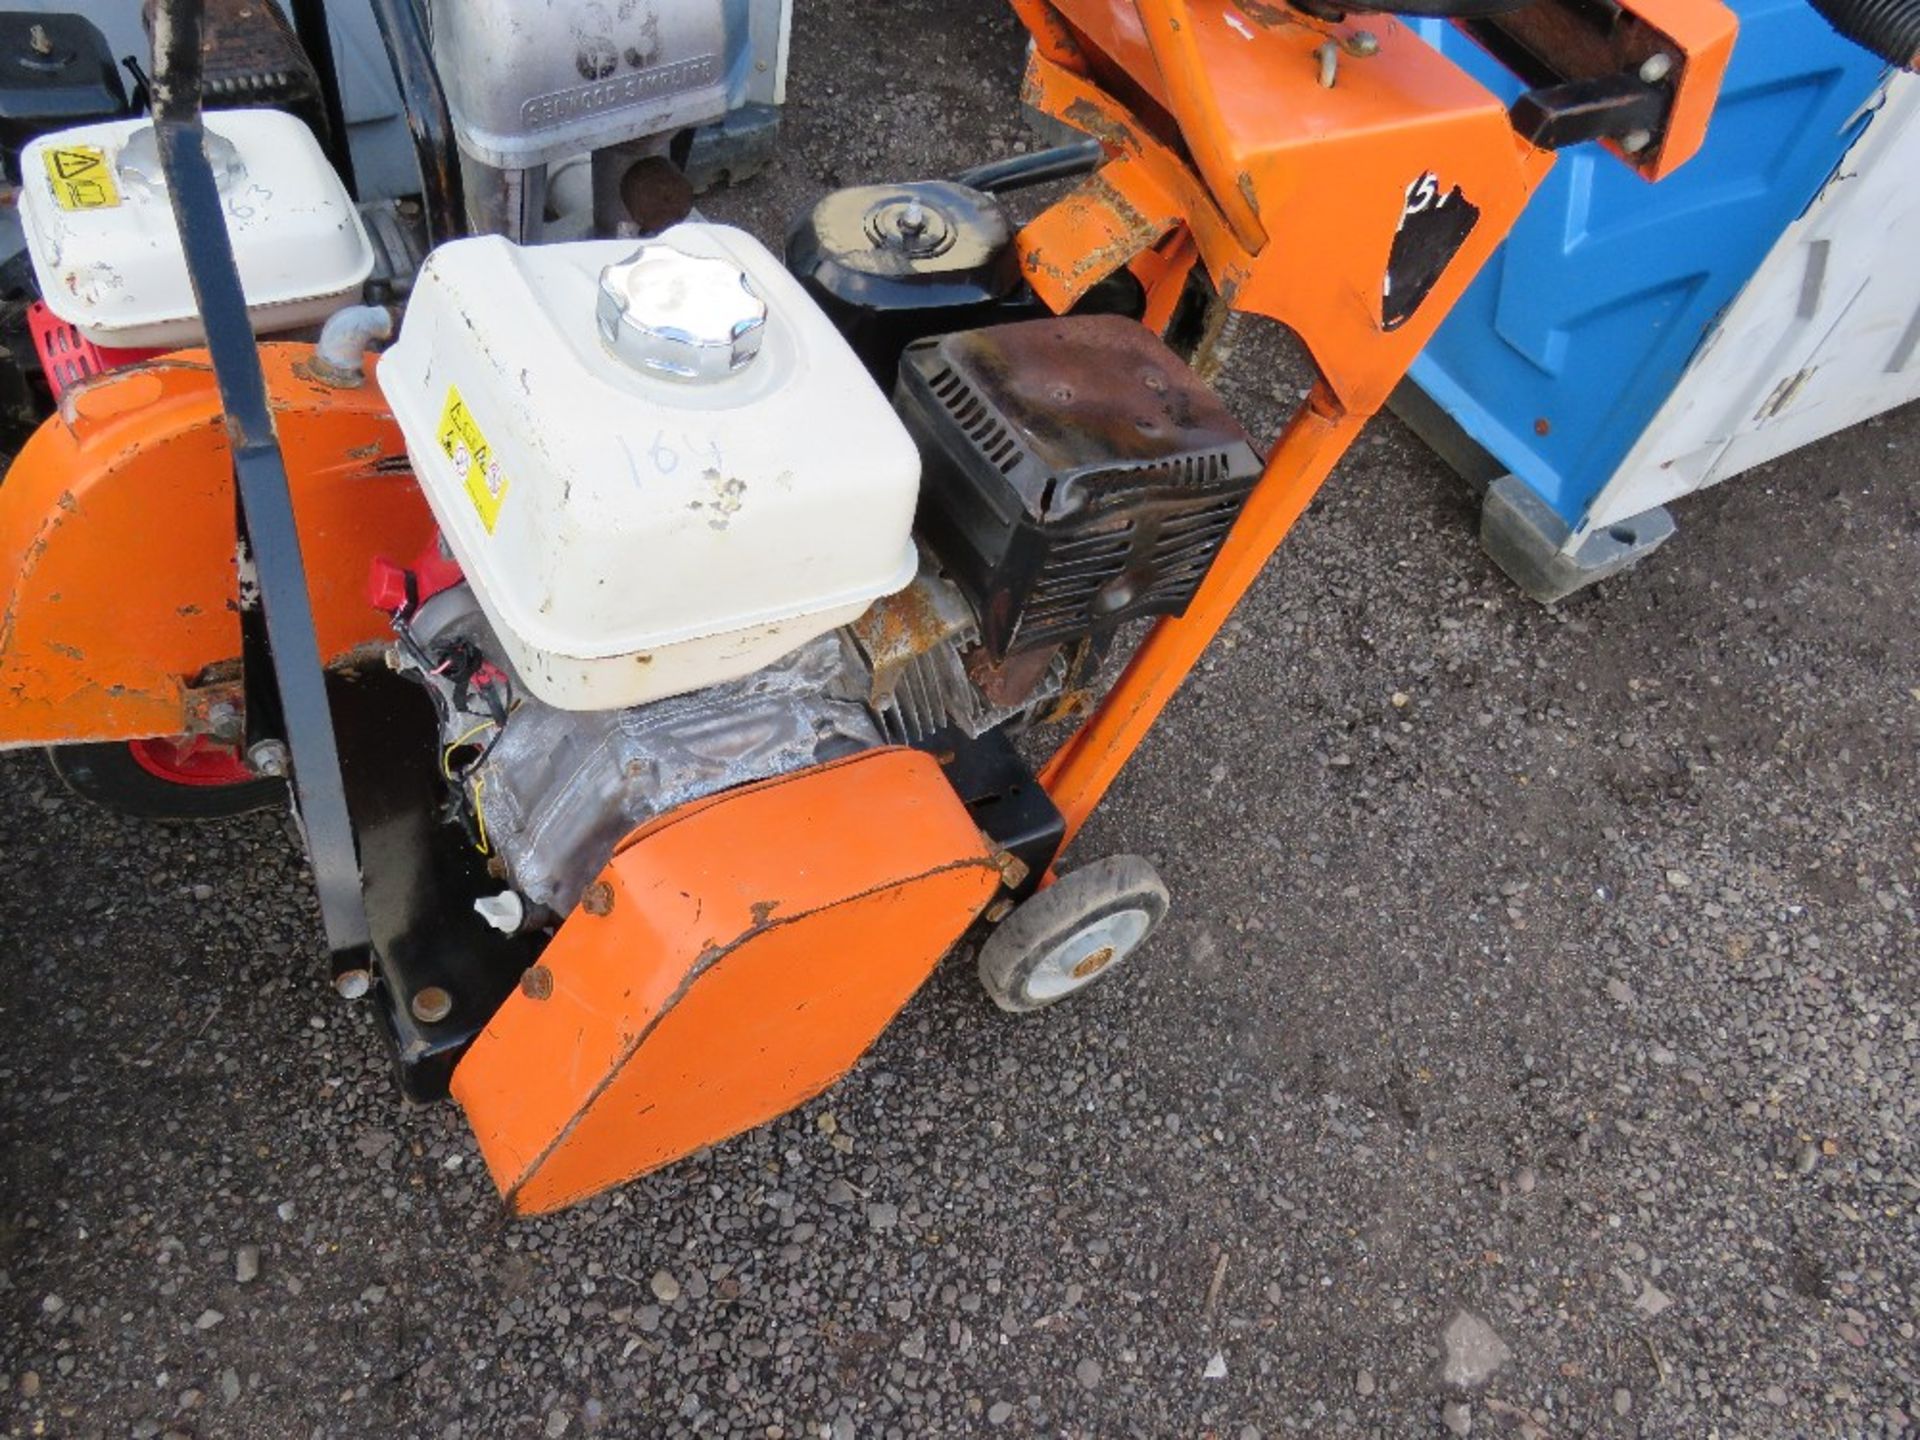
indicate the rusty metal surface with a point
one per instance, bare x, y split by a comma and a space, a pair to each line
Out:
903, 627
216, 707
920, 646
1013, 681
249, 56
1112, 217
103, 631
1159, 180
1579, 45
1094, 401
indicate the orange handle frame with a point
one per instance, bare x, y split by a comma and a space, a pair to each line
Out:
1293, 194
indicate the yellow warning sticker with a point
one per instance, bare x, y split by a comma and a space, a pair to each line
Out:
473, 459
80, 177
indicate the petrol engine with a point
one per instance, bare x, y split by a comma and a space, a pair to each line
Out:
598, 120
689, 542
707, 516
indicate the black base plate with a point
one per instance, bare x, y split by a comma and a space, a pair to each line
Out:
421, 877
1005, 800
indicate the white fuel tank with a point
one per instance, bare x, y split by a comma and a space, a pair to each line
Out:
100, 229
660, 468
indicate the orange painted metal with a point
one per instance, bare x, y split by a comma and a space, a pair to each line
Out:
1140, 39
1163, 273
1118, 215
117, 576
1328, 172
1292, 193
1145, 176
1700, 35
1079, 773
1204, 104
733, 960
1051, 37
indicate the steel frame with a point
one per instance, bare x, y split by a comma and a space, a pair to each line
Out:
1290, 195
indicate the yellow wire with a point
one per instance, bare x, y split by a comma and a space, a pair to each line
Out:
485, 846
446, 755
480, 814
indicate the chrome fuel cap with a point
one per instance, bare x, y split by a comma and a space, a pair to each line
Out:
686, 317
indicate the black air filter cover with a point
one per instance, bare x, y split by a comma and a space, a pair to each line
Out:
55, 71
251, 57
1077, 473
893, 263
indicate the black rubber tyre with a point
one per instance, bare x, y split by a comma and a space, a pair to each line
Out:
109, 776
1079, 929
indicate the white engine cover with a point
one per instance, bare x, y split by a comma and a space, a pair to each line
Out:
629, 534
99, 226
531, 84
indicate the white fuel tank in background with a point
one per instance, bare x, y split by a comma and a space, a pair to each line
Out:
100, 229
660, 468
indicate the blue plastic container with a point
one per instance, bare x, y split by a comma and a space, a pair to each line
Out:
1566, 345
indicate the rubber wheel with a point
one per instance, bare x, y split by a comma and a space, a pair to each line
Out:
150, 785
1079, 929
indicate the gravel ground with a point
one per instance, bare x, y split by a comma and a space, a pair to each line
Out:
1531, 1049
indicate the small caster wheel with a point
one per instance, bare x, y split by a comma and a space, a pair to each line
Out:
1067, 936
188, 778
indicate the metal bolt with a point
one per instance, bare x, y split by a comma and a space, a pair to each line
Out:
1094, 963
41, 42
431, 1004
1656, 67
913, 220
1013, 870
1329, 57
224, 720
999, 910
353, 984
269, 758
537, 983
598, 899
1362, 43
1635, 141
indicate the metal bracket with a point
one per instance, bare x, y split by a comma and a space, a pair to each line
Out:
403, 28
1609, 107
1595, 72
266, 519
